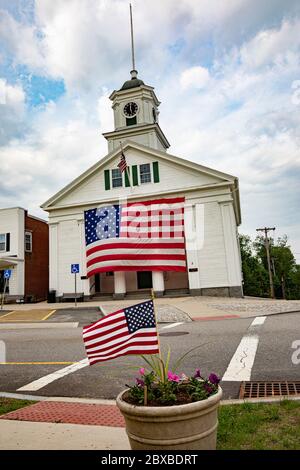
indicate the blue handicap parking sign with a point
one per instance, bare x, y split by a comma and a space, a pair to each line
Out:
7, 273
74, 268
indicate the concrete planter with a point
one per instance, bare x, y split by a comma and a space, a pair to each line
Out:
184, 427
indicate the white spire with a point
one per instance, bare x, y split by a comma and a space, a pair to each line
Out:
133, 71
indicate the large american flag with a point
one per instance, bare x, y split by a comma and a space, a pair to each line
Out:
131, 330
140, 236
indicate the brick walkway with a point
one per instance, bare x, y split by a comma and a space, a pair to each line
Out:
70, 413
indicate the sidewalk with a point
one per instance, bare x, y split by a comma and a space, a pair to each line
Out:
73, 424
181, 308
64, 425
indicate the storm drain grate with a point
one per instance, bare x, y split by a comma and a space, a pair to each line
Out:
269, 389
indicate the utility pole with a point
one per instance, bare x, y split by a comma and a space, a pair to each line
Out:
267, 245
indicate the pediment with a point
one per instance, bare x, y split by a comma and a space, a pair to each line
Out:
175, 174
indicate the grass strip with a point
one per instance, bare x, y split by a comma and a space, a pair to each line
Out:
259, 426
12, 404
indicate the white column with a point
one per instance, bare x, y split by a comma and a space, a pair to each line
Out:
194, 236
231, 247
120, 285
53, 257
84, 283
158, 283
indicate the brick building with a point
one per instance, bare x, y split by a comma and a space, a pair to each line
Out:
24, 249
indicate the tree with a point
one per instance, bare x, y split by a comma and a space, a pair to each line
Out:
255, 276
286, 273
284, 264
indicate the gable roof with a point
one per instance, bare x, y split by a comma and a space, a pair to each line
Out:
223, 177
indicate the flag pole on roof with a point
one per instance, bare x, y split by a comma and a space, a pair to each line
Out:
122, 165
133, 71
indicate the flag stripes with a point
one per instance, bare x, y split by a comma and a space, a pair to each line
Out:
122, 165
123, 237
128, 331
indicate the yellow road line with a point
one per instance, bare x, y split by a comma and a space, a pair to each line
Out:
6, 314
22, 321
49, 314
36, 363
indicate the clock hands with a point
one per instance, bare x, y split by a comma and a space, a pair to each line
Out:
130, 109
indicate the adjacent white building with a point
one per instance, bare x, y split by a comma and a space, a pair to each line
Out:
12, 249
212, 207
24, 247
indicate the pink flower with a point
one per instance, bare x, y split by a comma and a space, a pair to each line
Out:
140, 382
173, 377
142, 371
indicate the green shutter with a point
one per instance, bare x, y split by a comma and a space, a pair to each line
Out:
155, 172
107, 179
8, 242
127, 176
135, 179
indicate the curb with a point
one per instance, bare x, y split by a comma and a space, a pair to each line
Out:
96, 401
13, 326
103, 401
239, 401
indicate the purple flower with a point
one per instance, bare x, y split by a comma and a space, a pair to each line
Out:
208, 388
197, 374
214, 379
173, 377
140, 382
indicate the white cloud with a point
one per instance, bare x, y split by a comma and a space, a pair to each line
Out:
12, 111
21, 41
273, 45
194, 77
12, 95
239, 111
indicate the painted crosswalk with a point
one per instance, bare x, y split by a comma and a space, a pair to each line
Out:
43, 381
241, 364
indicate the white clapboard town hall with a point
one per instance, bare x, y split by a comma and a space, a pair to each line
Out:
211, 209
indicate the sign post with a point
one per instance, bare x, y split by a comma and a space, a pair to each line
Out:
6, 275
75, 270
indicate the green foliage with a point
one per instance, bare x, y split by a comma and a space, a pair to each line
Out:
285, 271
10, 404
259, 426
163, 387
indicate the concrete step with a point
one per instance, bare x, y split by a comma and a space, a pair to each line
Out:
176, 293
144, 294
138, 295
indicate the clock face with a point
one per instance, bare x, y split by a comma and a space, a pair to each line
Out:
130, 109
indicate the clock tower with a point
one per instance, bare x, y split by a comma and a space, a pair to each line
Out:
135, 108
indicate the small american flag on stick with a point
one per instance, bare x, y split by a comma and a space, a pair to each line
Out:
122, 165
131, 330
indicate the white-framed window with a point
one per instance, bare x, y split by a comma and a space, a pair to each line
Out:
2, 241
28, 242
116, 178
145, 173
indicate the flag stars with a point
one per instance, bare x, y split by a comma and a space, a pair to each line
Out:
141, 316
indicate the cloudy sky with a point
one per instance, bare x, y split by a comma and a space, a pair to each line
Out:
227, 74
